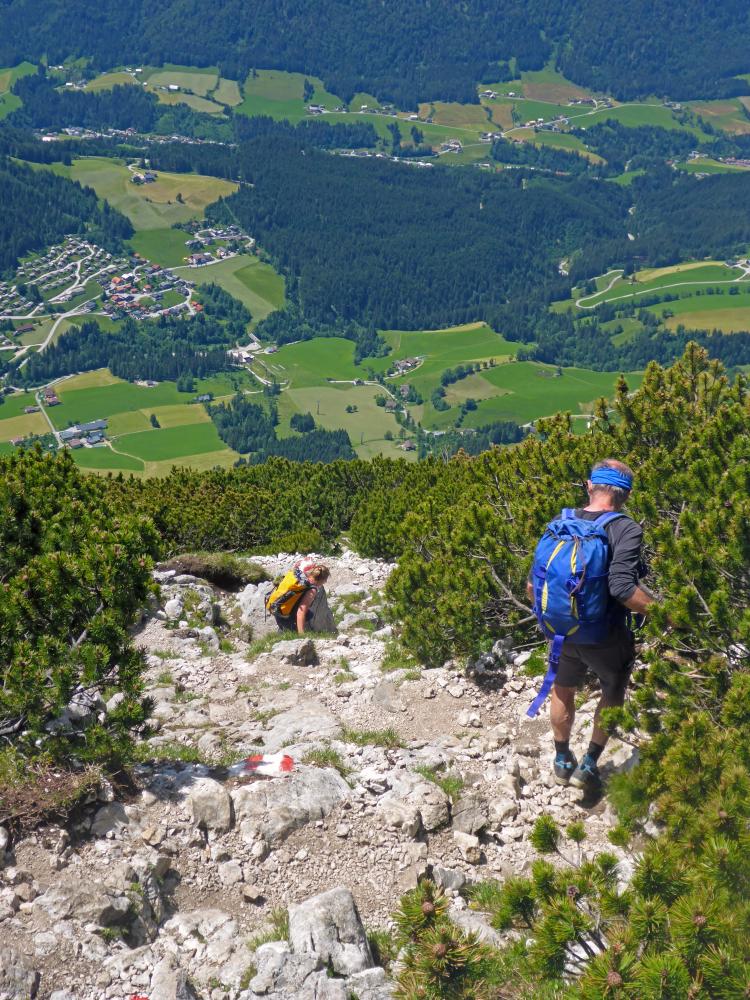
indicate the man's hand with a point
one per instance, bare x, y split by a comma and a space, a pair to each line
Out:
640, 601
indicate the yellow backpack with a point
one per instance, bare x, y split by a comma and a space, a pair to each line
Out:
285, 595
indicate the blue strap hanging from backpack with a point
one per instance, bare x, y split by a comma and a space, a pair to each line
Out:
571, 592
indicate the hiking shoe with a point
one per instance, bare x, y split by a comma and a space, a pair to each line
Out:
586, 775
565, 766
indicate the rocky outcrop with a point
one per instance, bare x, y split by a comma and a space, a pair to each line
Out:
156, 893
271, 810
329, 926
327, 956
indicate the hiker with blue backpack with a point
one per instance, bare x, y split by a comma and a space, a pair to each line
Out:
585, 583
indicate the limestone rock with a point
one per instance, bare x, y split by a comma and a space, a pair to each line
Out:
284, 976
173, 608
169, 982
470, 814
469, 847
399, 814
431, 801
18, 978
502, 811
111, 818
252, 602
210, 805
89, 903
301, 724
328, 925
371, 984
209, 638
270, 810
448, 878
297, 652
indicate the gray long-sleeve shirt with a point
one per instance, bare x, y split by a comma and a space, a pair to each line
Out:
625, 540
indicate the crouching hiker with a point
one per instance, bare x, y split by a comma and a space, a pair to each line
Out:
584, 583
291, 600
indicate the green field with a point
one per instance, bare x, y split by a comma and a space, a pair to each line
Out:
228, 92
171, 442
280, 95
202, 105
14, 405
311, 362
705, 165
22, 424
106, 460
728, 115
199, 81
717, 311
526, 390
149, 206
366, 427
82, 399
162, 246
108, 80
680, 279
249, 279
9, 102
557, 140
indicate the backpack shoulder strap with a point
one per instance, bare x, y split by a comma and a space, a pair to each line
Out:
567, 513
608, 517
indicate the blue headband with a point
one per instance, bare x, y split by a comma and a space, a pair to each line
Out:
611, 477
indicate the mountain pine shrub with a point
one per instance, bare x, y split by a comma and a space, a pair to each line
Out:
73, 574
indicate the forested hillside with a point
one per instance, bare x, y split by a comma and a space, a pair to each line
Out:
405, 52
403, 248
39, 208
167, 348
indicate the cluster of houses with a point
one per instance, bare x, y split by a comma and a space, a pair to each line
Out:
49, 397
451, 146
12, 302
139, 292
79, 132
365, 153
143, 177
206, 248
52, 271
554, 126
85, 435
244, 355
403, 366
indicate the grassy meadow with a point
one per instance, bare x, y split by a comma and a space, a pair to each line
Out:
149, 206
8, 76
249, 279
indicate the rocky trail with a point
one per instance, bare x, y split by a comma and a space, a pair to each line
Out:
165, 890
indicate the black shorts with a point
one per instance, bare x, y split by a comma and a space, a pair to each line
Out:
611, 661
288, 623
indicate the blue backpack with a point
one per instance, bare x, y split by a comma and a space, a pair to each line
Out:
571, 592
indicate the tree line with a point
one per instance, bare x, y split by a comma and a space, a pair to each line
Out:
250, 429
40, 208
168, 348
407, 53
407, 249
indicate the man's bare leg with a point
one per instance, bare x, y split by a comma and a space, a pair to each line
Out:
562, 712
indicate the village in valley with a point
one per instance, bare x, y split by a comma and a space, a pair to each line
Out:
78, 280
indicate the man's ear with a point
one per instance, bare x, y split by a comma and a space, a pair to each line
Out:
589, 485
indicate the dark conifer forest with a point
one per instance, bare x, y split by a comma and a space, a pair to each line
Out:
408, 51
